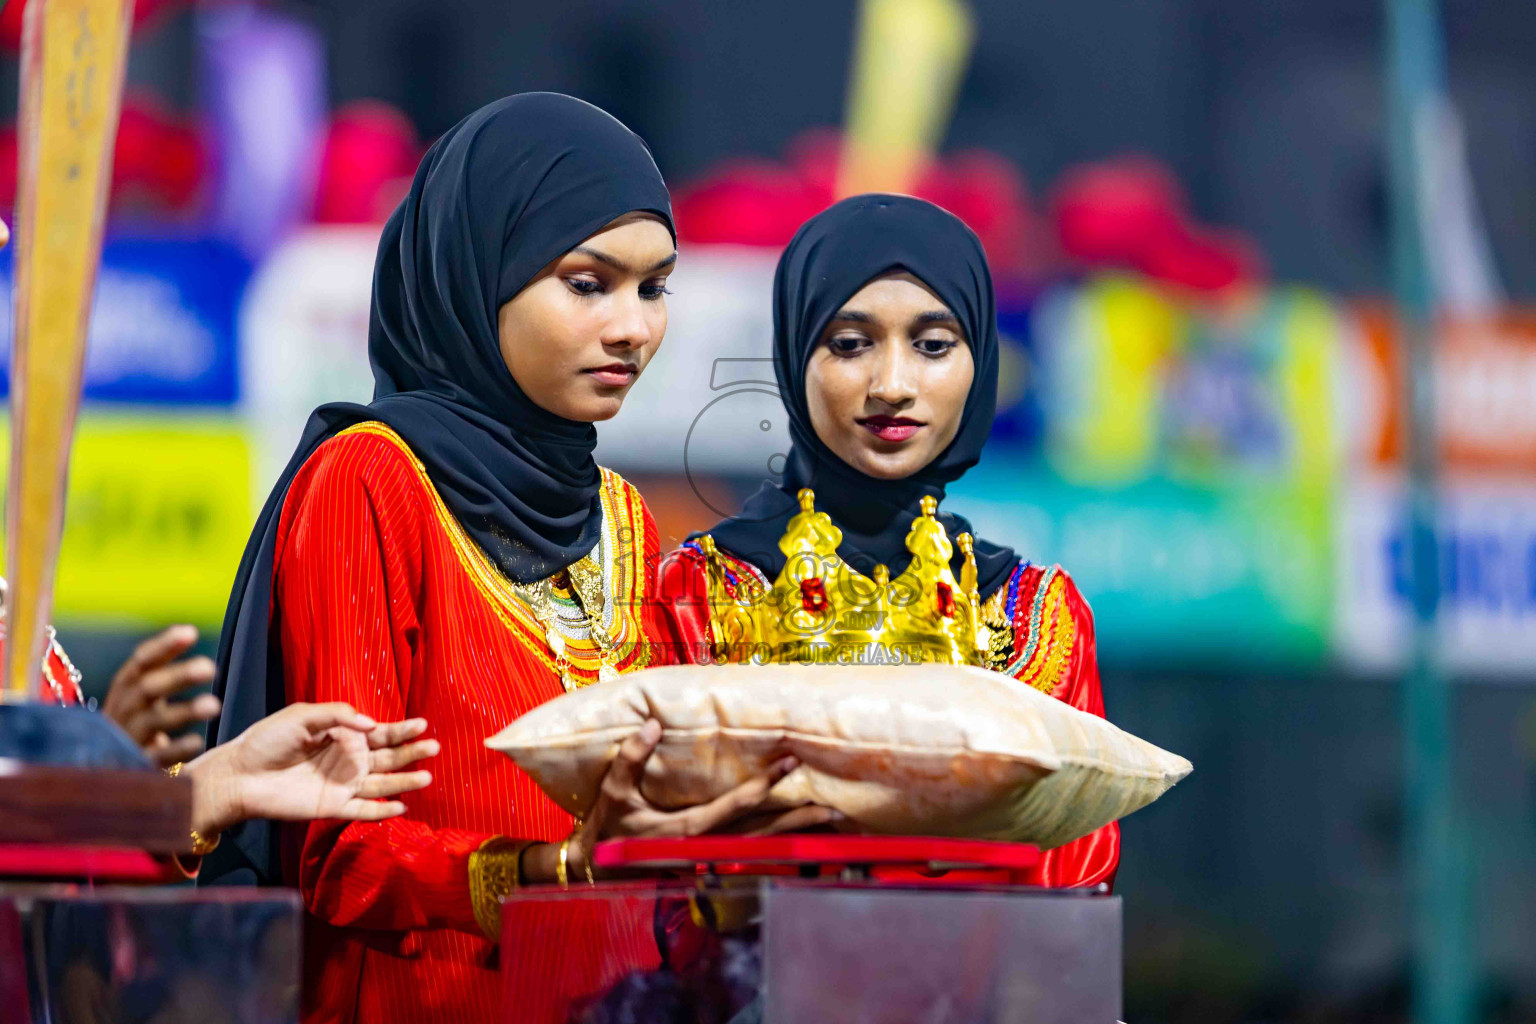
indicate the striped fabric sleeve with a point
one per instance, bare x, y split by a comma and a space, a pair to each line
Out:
348, 570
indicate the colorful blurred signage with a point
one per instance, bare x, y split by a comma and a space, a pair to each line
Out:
162, 328
1137, 385
158, 512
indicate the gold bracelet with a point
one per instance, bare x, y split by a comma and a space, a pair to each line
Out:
201, 845
561, 876
495, 872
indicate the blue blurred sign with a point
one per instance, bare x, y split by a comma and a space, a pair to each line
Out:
1486, 624
163, 327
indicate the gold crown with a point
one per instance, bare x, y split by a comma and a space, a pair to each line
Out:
821, 610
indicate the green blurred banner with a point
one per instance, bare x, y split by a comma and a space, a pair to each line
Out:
1173, 572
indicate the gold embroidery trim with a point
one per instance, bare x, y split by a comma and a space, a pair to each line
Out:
1058, 635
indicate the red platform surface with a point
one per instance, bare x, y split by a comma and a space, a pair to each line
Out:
95, 863
814, 851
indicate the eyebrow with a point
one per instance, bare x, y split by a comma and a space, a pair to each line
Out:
619, 264
937, 316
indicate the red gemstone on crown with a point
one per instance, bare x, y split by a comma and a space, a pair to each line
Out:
813, 594
946, 600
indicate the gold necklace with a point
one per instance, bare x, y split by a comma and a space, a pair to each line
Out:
587, 587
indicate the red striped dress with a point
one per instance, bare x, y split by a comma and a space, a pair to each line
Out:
381, 600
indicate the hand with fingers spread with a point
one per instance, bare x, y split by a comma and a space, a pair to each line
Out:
622, 810
141, 698
310, 761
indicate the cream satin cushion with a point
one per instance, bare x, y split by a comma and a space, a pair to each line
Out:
910, 750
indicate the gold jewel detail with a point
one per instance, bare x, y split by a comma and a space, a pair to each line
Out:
995, 637
586, 588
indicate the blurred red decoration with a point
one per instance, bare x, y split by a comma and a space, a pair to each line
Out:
1131, 213
159, 161
763, 203
369, 157
11, 16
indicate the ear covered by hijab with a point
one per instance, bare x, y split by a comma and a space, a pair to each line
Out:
504, 193
831, 257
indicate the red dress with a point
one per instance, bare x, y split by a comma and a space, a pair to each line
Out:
1053, 650
381, 600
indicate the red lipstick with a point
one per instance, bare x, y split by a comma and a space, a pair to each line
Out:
891, 428
615, 375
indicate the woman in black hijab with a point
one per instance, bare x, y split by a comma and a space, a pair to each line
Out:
886, 353
452, 551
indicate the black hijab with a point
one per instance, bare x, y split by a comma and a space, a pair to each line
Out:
505, 192
831, 257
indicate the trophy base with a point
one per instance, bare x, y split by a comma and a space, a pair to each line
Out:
71, 778
66, 737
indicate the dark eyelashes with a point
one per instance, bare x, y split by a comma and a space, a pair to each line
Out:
591, 289
943, 347
933, 348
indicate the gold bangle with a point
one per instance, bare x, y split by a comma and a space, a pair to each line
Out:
202, 847
495, 872
561, 875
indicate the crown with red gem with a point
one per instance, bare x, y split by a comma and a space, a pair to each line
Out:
822, 610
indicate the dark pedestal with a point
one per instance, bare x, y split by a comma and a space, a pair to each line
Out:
852, 948
171, 956
872, 955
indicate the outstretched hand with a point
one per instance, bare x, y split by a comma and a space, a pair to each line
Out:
141, 697
621, 808
313, 761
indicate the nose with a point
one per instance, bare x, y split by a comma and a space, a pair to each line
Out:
627, 327
892, 380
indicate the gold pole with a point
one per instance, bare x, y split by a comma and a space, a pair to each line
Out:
73, 54
908, 59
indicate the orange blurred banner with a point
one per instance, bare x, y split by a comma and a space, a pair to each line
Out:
1485, 397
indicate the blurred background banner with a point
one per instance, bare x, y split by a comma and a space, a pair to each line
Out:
1200, 415
163, 326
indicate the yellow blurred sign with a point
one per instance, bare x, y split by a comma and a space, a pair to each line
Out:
158, 514
73, 52
907, 65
